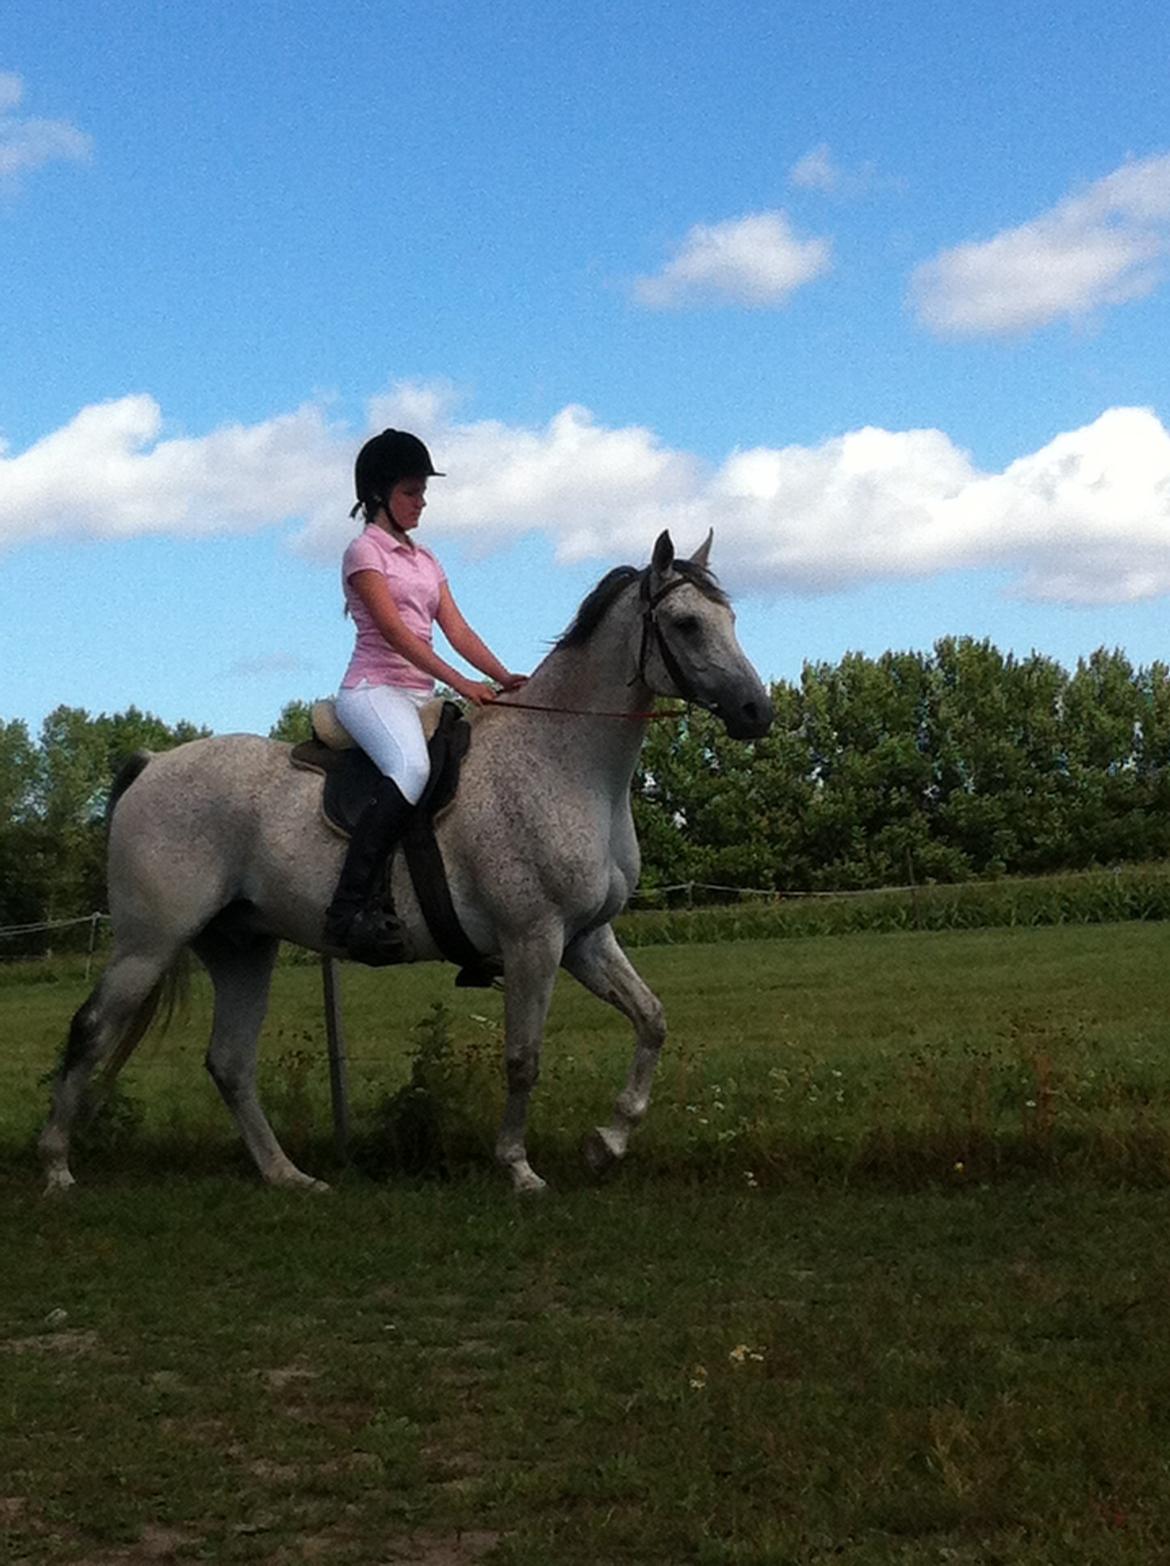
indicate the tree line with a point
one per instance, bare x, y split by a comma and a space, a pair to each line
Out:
53, 793
947, 765
961, 762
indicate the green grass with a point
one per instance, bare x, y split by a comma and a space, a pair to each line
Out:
883, 1281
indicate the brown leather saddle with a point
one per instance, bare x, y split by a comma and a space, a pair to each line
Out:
350, 779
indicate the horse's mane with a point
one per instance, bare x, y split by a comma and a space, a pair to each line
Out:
597, 603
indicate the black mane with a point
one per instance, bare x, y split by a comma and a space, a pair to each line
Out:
597, 603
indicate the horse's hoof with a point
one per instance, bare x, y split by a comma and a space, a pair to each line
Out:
526, 1181
603, 1149
58, 1182
297, 1180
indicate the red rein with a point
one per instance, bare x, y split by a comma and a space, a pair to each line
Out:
578, 712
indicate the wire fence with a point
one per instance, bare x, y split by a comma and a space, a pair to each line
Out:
777, 894
653, 894
41, 927
1139, 891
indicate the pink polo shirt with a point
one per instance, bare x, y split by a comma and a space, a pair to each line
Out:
415, 579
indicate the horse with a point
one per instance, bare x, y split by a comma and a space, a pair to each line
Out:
219, 846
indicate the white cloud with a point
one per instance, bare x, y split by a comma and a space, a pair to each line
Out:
1085, 519
816, 170
755, 261
112, 473
1101, 246
26, 143
819, 170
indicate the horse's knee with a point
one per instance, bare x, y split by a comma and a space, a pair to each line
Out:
84, 1040
225, 1071
653, 1030
522, 1071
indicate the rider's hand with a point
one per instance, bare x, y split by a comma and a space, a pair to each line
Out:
512, 682
477, 692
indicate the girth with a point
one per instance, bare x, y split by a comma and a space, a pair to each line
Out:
350, 779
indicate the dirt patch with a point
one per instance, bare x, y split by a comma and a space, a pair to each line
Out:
163, 1544
438, 1549
351, 1463
68, 1344
275, 1473
456, 1465
286, 1376
154, 1545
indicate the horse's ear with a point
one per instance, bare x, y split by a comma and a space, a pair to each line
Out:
703, 552
663, 557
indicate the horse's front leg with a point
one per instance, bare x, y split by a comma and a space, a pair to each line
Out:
530, 970
599, 963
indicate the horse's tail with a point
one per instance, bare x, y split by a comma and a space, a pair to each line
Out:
167, 997
129, 772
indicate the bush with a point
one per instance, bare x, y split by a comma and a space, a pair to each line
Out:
435, 1122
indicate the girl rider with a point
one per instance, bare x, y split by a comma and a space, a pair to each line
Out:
395, 590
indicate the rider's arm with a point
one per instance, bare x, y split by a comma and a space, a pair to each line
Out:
468, 645
371, 588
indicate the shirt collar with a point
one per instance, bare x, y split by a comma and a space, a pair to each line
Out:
388, 540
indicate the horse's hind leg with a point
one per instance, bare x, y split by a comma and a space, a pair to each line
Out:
599, 963
117, 1012
530, 971
241, 974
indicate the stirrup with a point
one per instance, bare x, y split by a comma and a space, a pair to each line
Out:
375, 937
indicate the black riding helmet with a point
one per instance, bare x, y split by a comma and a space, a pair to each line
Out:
384, 460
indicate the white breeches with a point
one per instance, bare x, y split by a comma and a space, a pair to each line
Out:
385, 722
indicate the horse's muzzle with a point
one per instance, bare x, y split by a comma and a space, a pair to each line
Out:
750, 719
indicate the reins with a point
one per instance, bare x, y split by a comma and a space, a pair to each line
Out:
650, 628
577, 712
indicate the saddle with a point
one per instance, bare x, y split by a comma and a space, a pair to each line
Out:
350, 780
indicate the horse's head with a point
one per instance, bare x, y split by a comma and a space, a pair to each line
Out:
689, 647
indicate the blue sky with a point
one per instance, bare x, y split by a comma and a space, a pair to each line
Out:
879, 292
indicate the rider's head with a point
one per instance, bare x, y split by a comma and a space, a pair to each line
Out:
385, 460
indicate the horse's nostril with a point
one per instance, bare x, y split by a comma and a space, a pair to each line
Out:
757, 716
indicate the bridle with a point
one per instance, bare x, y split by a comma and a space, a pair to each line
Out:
651, 632
651, 628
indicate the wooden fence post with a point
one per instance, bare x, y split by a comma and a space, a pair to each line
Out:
335, 1032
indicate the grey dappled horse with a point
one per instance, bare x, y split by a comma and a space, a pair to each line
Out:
218, 845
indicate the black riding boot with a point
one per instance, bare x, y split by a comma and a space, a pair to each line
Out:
357, 920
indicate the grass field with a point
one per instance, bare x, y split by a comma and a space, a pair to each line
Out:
884, 1279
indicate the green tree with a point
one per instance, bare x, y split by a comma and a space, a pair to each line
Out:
294, 723
19, 842
79, 757
1108, 798
998, 753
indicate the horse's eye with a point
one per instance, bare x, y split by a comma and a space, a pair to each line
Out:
688, 626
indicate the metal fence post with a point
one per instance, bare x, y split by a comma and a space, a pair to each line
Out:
93, 927
335, 1032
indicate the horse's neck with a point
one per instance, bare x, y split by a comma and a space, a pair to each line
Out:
593, 678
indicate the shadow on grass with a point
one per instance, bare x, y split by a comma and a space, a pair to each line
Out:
423, 1153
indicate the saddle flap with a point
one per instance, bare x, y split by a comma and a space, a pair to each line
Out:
351, 781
